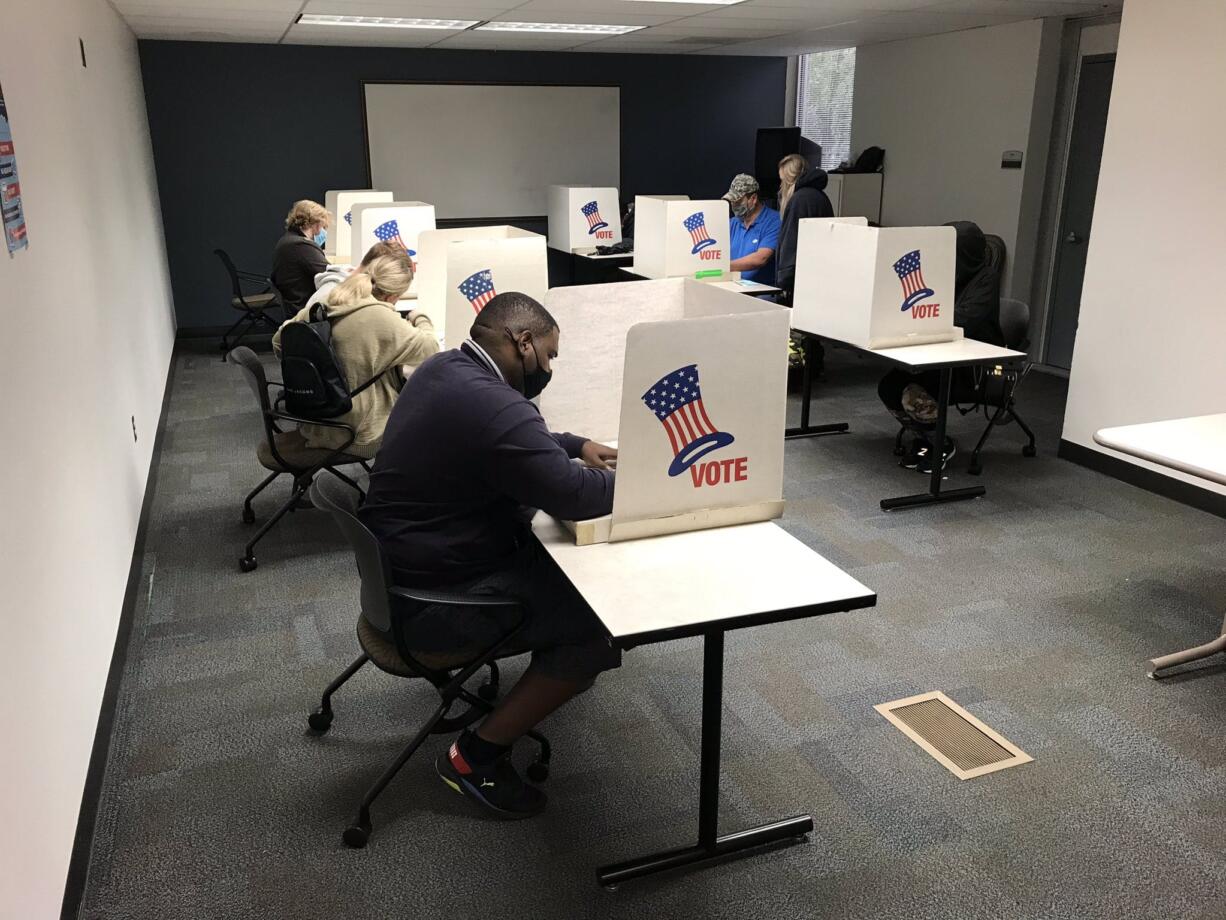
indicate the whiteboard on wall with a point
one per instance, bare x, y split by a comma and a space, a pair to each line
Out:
483, 151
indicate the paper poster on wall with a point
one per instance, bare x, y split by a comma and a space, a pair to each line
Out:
10, 188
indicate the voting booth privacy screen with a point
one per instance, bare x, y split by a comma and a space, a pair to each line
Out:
463, 269
874, 287
583, 217
690, 381
396, 222
340, 206
429, 141
680, 238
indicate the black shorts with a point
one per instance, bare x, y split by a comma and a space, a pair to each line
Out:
565, 637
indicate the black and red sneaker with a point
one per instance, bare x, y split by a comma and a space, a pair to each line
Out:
497, 786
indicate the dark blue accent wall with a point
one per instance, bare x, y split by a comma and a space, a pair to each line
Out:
241, 131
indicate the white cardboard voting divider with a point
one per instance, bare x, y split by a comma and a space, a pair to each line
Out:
339, 204
461, 269
583, 217
399, 222
874, 287
680, 238
690, 381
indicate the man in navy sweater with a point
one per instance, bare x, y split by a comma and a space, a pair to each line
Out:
464, 461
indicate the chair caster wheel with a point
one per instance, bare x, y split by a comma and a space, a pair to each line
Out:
488, 692
356, 836
538, 772
974, 469
248, 516
320, 721
247, 564
1028, 450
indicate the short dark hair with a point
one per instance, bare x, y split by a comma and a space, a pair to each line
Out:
516, 312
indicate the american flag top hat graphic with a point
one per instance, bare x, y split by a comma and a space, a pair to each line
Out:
349, 218
912, 277
479, 289
697, 225
676, 401
592, 212
389, 232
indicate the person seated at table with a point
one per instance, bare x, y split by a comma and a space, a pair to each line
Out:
299, 255
910, 396
753, 230
370, 340
465, 460
327, 280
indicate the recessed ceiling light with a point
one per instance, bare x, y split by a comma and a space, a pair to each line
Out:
577, 28
387, 22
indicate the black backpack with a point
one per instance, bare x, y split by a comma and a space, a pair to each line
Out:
313, 376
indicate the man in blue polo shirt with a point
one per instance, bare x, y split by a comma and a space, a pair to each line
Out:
753, 230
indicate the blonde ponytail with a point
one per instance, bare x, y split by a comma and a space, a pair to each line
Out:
386, 276
791, 168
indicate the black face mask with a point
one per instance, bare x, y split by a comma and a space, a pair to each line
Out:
534, 381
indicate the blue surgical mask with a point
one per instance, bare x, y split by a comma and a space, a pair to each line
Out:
320, 238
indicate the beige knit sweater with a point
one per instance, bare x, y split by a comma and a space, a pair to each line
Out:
369, 338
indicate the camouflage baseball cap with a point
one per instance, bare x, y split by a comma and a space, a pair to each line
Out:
743, 184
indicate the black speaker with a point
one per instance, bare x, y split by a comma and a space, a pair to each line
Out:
772, 145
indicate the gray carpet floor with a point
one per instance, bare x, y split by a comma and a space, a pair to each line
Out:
1034, 607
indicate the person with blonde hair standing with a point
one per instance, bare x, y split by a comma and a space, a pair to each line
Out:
299, 254
371, 342
801, 194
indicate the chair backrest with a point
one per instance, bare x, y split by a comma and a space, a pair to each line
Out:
231, 270
1015, 324
253, 372
341, 501
996, 253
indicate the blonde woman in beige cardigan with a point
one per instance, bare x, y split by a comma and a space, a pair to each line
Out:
370, 338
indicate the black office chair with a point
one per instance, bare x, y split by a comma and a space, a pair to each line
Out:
253, 305
385, 634
998, 387
281, 454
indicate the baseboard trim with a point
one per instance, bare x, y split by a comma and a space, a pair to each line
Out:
78, 863
1143, 478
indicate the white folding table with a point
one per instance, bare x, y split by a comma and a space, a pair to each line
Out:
702, 583
938, 356
1196, 446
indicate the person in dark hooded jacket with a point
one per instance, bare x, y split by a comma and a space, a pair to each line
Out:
976, 286
801, 194
909, 397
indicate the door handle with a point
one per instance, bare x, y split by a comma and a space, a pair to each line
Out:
1072, 238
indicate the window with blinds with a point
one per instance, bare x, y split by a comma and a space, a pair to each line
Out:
823, 102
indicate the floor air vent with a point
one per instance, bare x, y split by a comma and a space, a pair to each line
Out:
963, 744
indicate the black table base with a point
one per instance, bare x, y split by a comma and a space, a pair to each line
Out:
710, 845
805, 430
934, 495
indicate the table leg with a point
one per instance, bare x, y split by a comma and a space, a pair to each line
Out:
934, 495
710, 845
806, 430
1192, 654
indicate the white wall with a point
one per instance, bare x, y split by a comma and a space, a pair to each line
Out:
1152, 326
945, 107
88, 332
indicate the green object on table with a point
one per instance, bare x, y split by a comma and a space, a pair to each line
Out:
709, 273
